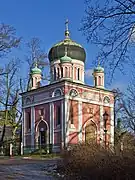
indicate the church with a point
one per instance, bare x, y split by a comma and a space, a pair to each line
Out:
67, 111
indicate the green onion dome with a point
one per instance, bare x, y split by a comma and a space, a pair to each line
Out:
65, 59
36, 70
74, 50
99, 69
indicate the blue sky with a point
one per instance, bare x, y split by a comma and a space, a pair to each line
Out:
45, 19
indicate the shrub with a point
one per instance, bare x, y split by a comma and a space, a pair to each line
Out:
90, 161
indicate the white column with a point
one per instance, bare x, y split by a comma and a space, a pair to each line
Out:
112, 126
62, 121
66, 120
72, 72
80, 120
51, 122
101, 125
24, 128
32, 126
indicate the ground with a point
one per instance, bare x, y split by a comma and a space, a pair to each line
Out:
23, 169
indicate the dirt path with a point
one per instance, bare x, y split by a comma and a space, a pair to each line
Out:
25, 169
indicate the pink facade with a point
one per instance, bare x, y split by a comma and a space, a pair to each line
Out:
63, 118
67, 111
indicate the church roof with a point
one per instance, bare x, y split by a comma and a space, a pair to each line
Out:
99, 69
36, 70
74, 50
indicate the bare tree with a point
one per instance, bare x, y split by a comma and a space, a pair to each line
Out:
9, 99
8, 39
128, 109
110, 24
35, 55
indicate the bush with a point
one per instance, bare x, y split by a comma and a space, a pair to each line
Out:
90, 161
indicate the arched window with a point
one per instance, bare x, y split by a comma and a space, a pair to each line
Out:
95, 81
62, 72
57, 92
78, 74
32, 82
28, 121
54, 73
58, 73
73, 93
58, 115
28, 100
66, 72
99, 80
91, 133
106, 99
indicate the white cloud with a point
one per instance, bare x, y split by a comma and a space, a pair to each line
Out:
88, 72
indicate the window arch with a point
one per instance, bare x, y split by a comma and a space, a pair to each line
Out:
73, 93
57, 92
106, 99
90, 132
28, 100
66, 72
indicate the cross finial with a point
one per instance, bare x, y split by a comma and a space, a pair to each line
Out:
66, 30
66, 23
36, 64
98, 61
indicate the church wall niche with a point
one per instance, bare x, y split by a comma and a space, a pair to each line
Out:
46, 114
57, 114
27, 120
73, 113
90, 112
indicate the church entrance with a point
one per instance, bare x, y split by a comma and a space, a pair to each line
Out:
42, 137
91, 133
43, 134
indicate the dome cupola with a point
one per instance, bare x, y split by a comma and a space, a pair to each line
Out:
67, 60
74, 50
36, 70
36, 75
98, 74
99, 69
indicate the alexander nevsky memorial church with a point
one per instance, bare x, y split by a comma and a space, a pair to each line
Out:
67, 111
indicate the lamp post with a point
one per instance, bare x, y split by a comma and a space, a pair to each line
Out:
105, 117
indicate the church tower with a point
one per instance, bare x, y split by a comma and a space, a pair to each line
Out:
67, 60
36, 75
98, 75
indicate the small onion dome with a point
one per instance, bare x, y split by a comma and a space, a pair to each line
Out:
36, 70
99, 69
65, 59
